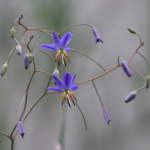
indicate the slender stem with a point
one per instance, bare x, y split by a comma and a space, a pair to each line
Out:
12, 144
142, 77
47, 55
15, 21
43, 72
16, 41
99, 75
139, 38
145, 60
11, 53
82, 116
4, 134
98, 94
88, 57
75, 26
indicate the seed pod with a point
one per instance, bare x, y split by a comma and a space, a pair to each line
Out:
19, 49
30, 58
12, 32
4, 68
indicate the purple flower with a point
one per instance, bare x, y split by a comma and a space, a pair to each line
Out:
126, 69
96, 35
66, 87
20, 125
130, 97
60, 46
105, 115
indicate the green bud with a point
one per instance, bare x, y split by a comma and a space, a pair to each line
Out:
19, 49
12, 32
131, 30
30, 59
4, 68
147, 81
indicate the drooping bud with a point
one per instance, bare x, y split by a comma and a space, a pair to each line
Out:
130, 97
12, 32
131, 30
26, 61
126, 69
147, 81
20, 126
30, 58
56, 73
19, 49
105, 115
4, 68
96, 35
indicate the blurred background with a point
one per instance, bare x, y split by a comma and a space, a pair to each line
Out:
129, 128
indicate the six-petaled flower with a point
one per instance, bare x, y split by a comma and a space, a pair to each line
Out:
66, 87
60, 46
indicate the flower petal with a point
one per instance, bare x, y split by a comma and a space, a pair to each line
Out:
73, 78
55, 89
50, 47
65, 40
58, 82
74, 88
67, 81
68, 49
56, 39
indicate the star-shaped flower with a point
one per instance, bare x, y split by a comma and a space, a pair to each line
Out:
60, 46
66, 87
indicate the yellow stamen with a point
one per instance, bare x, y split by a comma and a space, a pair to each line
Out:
67, 56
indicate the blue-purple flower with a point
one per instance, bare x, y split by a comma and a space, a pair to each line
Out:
96, 35
130, 97
126, 69
66, 87
105, 115
60, 46
20, 126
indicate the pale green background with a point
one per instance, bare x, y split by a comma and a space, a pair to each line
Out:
130, 126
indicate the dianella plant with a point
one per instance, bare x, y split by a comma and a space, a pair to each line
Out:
67, 85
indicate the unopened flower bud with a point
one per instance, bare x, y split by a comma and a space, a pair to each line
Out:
26, 61
131, 30
20, 126
30, 58
130, 97
4, 68
56, 73
147, 81
19, 49
12, 32
126, 69
96, 35
105, 115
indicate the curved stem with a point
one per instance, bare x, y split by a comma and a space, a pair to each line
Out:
11, 53
16, 41
145, 60
75, 26
88, 57
139, 38
98, 94
98, 76
82, 116
142, 77
47, 55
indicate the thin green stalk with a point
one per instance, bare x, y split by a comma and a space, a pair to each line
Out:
43, 72
98, 94
16, 41
87, 57
139, 38
11, 53
145, 60
142, 77
75, 26
82, 115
